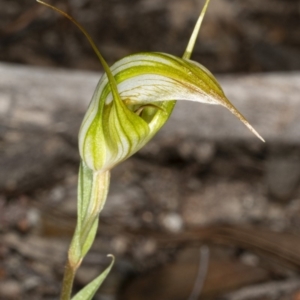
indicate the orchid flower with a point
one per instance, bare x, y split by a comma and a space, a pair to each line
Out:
132, 101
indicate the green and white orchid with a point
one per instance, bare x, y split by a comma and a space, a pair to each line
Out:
149, 84
132, 101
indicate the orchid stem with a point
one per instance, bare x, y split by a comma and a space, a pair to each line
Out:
67, 285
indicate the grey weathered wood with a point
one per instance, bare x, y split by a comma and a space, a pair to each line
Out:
52, 99
41, 110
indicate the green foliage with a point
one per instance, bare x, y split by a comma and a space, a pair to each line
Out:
90, 290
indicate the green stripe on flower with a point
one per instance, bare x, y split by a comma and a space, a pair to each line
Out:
111, 132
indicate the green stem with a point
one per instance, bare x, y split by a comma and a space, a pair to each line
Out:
67, 285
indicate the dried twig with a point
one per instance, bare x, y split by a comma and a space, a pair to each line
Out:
202, 272
271, 290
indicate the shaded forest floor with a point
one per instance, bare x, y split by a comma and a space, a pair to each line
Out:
242, 202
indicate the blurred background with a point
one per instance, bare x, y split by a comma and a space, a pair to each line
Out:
237, 36
204, 203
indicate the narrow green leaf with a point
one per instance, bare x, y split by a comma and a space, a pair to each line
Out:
92, 193
85, 180
190, 47
88, 292
84, 191
87, 243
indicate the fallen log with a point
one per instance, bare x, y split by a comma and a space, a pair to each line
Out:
41, 110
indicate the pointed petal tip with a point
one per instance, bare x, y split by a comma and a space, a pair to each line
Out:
261, 138
234, 111
254, 132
